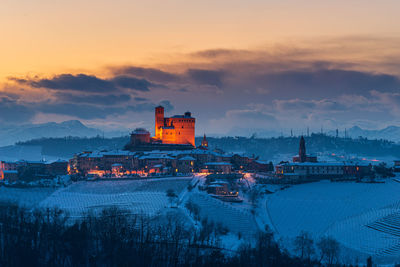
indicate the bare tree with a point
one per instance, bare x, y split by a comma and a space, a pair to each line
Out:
304, 245
171, 196
254, 195
329, 249
193, 209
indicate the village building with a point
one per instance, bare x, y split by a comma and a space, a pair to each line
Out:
217, 167
172, 150
307, 167
396, 167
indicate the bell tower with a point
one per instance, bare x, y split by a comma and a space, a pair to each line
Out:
204, 142
159, 121
302, 150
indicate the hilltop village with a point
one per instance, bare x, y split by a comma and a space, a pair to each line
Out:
223, 199
171, 152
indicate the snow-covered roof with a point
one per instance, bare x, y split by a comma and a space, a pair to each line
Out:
140, 131
217, 163
10, 171
58, 161
187, 158
32, 161
321, 164
219, 182
205, 152
156, 156
99, 154
181, 116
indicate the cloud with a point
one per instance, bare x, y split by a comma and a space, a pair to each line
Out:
151, 74
13, 112
246, 115
206, 77
97, 99
167, 105
140, 99
79, 82
328, 83
307, 105
322, 83
86, 83
218, 53
131, 83
243, 121
86, 112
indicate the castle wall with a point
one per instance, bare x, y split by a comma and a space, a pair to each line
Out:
175, 130
184, 130
168, 135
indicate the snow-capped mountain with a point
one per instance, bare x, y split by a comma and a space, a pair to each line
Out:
390, 133
10, 134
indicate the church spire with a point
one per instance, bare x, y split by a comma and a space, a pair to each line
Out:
302, 150
204, 142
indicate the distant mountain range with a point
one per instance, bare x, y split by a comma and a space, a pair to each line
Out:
391, 133
10, 134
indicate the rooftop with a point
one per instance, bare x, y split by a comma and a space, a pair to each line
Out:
217, 163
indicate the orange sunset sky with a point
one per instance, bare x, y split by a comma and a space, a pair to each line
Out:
273, 64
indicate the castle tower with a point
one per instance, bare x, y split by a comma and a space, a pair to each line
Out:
302, 150
204, 142
159, 122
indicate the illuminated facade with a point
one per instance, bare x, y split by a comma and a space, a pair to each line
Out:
179, 129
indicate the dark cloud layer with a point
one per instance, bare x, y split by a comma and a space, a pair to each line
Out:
13, 112
86, 112
152, 74
131, 83
207, 77
327, 83
99, 99
227, 89
86, 83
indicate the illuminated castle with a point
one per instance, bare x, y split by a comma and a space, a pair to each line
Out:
179, 129
175, 133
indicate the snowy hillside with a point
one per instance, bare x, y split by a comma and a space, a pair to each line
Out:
236, 218
137, 196
347, 211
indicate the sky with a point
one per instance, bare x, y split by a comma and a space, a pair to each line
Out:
239, 66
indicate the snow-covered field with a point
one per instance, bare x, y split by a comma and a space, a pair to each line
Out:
364, 218
27, 197
350, 212
137, 196
232, 215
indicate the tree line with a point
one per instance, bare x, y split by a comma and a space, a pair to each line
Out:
265, 148
115, 237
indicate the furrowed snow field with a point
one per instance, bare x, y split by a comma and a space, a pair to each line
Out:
27, 197
234, 217
137, 196
362, 217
